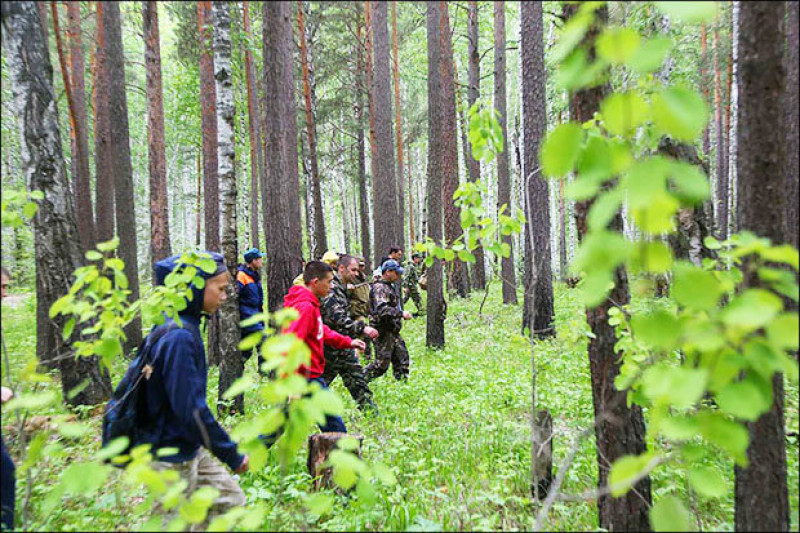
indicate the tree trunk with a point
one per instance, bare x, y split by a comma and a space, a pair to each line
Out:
703, 66
473, 165
159, 209
792, 127
256, 155
231, 364
282, 204
209, 127
76, 100
619, 430
411, 234
761, 494
722, 176
503, 183
358, 110
104, 186
538, 306
562, 232
319, 243
57, 243
398, 121
457, 280
384, 185
369, 56
199, 213
121, 162
436, 307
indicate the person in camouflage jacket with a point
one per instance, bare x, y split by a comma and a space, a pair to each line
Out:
336, 315
411, 283
386, 316
358, 292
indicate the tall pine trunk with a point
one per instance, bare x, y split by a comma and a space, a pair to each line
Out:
57, 243
121, 161
104, 186
282, 204
538, 306
436, 307
473, 165
457, 280
358, 110
256, 154
384, 185
398, 123
703, 67
792, 128
761, 494
83, 193
719, 139
231, 363
619, 429
159, 209
316, 227
503, 182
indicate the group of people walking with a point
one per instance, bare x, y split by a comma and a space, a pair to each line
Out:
341, 313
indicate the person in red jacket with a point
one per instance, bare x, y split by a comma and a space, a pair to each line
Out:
309, 328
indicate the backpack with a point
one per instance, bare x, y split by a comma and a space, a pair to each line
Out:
123, 415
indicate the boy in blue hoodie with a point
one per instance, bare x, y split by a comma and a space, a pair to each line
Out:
251, 296
175, 396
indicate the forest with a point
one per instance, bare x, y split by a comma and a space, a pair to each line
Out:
570, 228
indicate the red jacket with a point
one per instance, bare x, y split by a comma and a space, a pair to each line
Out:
309, 328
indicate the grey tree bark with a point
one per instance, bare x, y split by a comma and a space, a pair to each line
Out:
57, 243
282, 204
761, 493
473, 165
538, 312
358, 111
121, 161
384, 185
503, 181
792, 128
436, 307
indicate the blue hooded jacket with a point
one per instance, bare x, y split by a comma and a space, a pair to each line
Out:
251, 297
176, 391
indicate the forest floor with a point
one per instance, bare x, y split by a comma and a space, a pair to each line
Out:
457, 436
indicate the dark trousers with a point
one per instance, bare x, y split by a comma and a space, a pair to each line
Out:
7, 494
345, 363
333, 423
390, 348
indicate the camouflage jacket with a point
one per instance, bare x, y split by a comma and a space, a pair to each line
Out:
335, 310
359, 298
385, 313
411, 277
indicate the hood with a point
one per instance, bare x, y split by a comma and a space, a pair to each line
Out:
298, 294
249, 271
195, 306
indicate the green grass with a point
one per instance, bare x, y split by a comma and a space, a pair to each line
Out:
457, 436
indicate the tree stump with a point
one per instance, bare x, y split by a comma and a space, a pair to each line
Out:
320, 445
542, 453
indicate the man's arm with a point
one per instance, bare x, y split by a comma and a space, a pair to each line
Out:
335, 314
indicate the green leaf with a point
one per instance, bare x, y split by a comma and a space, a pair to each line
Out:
571, 34
604, 209
679, 427
624, 472
653, 256
680, 113
691, 184
650, 55
744, 399
69, 327
113, 448
617, 45
31, 401
319, 504
695, 288
108, 246
669, 514
241, 385
657, 216
707, 482
752, 309
29, 209
783, 253
623, 113
784, 331
107, 348
727, 435
678, 387
93, 255
659, 330
384, 474
561, 149
594, 162
251, 341
691, 12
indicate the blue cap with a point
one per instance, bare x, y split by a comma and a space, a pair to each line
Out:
391, 264
252, 254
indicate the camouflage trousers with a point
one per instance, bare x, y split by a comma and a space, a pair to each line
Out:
205, 471
390, 348
345, 363
413, 294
